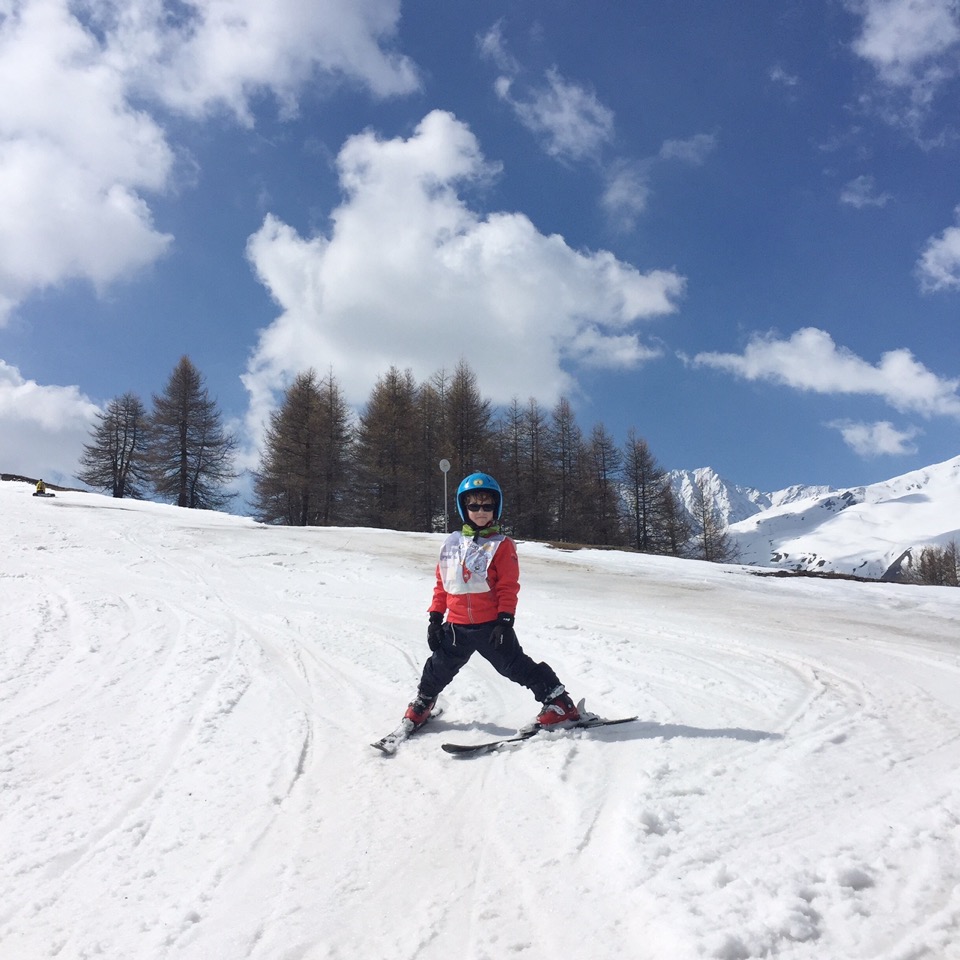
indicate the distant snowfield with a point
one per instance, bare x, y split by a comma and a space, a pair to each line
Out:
860, 530
187, 701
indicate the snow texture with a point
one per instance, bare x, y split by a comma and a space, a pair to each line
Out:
187, 701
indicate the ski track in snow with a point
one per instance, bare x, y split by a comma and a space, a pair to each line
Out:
187, 701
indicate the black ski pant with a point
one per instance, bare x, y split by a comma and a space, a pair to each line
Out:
461, 641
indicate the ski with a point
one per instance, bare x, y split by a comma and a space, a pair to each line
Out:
392, 740
586, 722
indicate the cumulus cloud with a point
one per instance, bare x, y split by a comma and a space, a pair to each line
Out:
811, 361
913, 47
410, 276
939, 265
74, 160
862, 192
218, 53
42, 428
904, 39
81, 153
876, 439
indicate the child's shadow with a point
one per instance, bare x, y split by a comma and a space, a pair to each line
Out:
651, 730
640, 730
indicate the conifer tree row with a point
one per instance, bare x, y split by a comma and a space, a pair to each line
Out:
322, 465
383, 471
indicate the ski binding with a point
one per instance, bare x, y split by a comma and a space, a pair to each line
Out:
392, 740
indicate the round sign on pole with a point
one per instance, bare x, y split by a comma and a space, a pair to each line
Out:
445, 465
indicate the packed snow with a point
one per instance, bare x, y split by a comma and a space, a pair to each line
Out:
187, 702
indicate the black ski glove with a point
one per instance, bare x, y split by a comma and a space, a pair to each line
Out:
435, 631
503, 630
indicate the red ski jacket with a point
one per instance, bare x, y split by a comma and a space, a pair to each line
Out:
477, 578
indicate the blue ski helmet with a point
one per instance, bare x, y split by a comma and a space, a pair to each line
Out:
474, 484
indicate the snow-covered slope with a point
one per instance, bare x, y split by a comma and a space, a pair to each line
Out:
732, 503
187, 699
861, 530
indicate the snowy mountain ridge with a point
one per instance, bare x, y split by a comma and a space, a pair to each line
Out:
732, 502
864, 530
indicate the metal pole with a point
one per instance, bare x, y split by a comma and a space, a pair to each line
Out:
445, 469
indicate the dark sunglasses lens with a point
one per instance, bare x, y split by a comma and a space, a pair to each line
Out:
478, 507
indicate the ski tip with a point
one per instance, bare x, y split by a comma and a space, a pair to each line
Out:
603, 722
469, 749
590, 719
388, 745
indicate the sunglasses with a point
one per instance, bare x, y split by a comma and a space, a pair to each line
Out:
480, 508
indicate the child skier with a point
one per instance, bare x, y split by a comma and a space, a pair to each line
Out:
476, 587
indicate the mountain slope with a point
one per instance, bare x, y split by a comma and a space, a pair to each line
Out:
187, 699
859, 530
730, 502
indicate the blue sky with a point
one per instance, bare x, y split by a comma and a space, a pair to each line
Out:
732, 227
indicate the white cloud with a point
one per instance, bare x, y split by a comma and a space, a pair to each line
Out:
569, 119
693, 150
591, 347
574, 125
493, 47
42, 428
410, 276
862, 192
913, 46
626, 193
571, 122
904, 39
627, 187
74, 158
939, 265
811, 361
223, 51
780, 75
876, 439
79, 152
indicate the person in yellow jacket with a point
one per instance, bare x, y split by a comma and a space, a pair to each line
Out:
41, 487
